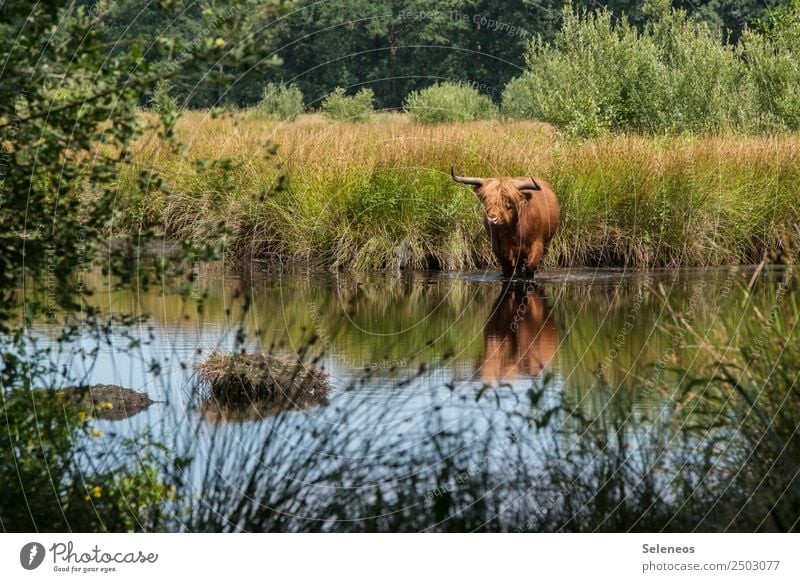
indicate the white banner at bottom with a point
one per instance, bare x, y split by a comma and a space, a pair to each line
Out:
367, 557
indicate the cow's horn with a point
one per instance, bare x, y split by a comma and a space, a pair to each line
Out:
464, 180
532, 185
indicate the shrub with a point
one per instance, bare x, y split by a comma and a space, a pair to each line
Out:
519, 99
773, 64
599, 75
46, 460
703, 80
449, 102
162, 102
282, 102
596, 76
341, 107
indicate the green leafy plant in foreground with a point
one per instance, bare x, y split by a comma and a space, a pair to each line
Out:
69, 113
59, 473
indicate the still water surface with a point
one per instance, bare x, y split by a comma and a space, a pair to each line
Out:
436, 333
413, 358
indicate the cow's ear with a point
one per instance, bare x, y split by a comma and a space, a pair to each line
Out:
478, 191
527, 194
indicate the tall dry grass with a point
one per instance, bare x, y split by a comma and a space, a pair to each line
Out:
366, 196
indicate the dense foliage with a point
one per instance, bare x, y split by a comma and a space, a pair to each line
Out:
396, 46
69, 113
449, 102
601, 74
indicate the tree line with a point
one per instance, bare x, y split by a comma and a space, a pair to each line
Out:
393, 47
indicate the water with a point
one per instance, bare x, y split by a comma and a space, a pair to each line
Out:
508, 373
463, 329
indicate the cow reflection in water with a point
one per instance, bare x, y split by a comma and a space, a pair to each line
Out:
520, 336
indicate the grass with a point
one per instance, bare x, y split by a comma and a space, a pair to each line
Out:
356, 194
242, 386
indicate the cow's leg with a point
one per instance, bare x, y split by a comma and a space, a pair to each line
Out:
535, 256
507, 266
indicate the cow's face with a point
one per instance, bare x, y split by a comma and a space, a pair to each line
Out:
501, 197
501, 200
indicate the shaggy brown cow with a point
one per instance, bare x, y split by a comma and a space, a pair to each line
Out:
520, 337
520, 216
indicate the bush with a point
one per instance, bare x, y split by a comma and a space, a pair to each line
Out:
703, 79
519, 99
599, 75
162, 102
341, 107
595, 77
282, 102
773, 63
47, 459
449, 102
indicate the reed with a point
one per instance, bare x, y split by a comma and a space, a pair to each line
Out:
365, 196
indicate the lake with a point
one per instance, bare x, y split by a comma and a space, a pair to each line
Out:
457, 401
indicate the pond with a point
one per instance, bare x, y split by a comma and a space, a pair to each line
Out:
457, 401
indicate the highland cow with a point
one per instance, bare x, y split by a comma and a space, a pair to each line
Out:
520, 215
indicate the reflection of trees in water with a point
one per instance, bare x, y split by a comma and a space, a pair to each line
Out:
609, 328
573, 453
353, 467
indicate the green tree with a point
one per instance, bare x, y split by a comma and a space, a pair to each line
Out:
394, 45
69, 113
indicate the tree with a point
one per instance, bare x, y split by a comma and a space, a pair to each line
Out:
69, 113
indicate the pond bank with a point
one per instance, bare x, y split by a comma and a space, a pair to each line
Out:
363, 196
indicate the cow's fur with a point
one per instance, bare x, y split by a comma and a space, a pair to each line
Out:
520, 222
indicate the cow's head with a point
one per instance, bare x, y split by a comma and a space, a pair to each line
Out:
501, 197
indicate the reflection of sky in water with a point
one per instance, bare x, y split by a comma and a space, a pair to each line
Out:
462, 328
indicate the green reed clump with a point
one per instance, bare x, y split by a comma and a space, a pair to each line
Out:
380, 195
449, 102
281, 102
342, 107
367, 221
